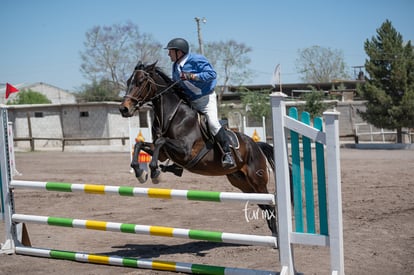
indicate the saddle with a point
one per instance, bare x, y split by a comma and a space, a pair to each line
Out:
202, 119
234, 141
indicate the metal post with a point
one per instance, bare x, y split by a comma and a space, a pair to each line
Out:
200, 40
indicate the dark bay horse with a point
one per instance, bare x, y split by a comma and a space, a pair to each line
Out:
181, 138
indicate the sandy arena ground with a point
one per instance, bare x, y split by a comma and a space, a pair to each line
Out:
378, 211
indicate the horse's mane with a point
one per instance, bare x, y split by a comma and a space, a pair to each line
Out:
158, 70
167, 79
163, 75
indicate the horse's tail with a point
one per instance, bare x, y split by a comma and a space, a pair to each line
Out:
267, 150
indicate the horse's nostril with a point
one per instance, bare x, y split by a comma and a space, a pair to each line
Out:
123, 109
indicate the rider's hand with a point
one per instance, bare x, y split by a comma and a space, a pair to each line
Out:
188, 76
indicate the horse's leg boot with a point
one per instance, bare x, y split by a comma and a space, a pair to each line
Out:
174, 168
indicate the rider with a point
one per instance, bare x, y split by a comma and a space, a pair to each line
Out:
198, 81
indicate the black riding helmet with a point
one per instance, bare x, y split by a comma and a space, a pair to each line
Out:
178, 44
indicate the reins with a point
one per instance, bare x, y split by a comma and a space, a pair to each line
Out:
165, 90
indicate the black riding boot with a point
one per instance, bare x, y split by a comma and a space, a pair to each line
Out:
223, 139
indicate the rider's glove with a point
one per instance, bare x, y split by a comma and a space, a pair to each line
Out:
188, 76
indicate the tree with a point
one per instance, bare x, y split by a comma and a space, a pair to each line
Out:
314, 104
230, 60
389, 90
103, 90
257, 103
111, 53
29, 97
318, 64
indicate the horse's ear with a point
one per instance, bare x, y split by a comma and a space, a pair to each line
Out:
139, 64
152, 66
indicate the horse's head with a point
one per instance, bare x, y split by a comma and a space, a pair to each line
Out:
142, 86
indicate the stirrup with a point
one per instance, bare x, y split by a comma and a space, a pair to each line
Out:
228, 161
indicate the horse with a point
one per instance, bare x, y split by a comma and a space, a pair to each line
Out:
181, 137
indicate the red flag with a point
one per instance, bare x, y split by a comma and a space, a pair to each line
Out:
10, 89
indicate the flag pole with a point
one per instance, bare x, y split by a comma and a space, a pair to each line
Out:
276, 78
280, 79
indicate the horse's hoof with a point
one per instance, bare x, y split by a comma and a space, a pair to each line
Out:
143, 178
156, 176
156, 180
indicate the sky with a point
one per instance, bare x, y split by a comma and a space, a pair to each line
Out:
41, 40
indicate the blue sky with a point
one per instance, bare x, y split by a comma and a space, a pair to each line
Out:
41, 39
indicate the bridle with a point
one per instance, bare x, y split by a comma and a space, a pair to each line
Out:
149, 81
143, 87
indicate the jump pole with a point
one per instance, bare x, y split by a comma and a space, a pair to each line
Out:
138, 263
161, 231
159, 193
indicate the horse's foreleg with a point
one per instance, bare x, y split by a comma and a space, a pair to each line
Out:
153, 165
140, 174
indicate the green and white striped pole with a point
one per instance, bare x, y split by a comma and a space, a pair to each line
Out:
161, 231
160, 193
138, 263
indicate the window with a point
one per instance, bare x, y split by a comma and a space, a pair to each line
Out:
84, 114
143, 122
38, 114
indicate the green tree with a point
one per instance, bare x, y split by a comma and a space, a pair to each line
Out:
318, 64
29, 97
389, 90
104, 90
256, 103
314, 104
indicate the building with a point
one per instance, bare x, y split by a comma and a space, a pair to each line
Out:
40, 126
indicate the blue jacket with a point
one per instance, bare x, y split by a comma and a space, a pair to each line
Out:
205, 75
